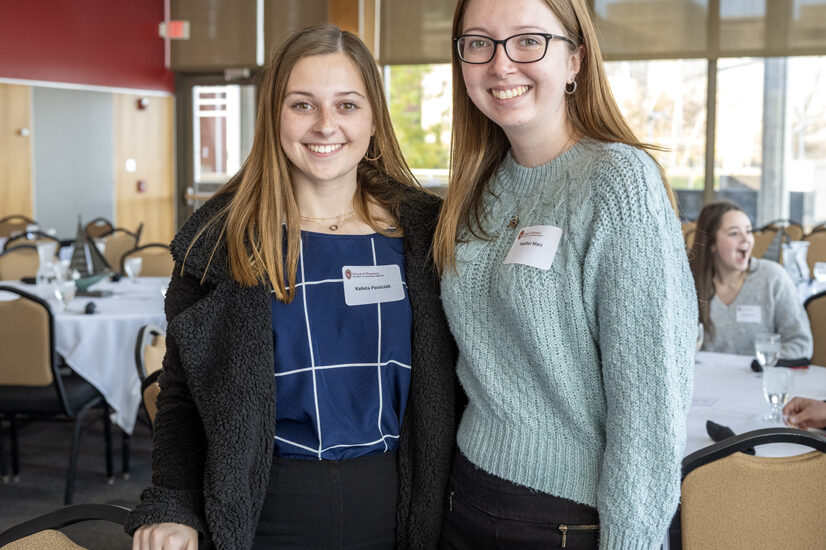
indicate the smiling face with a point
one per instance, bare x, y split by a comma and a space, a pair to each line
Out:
526, 99
326, 120
733, 242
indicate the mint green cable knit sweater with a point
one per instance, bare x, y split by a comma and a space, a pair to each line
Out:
579, 377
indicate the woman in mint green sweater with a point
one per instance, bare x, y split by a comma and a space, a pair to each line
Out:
567, 287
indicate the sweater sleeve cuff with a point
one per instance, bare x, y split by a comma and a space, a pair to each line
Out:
160, 505
613, 538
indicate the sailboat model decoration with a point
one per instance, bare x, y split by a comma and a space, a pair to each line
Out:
86, 258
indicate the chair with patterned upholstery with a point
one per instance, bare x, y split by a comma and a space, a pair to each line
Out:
730, 499
43, 532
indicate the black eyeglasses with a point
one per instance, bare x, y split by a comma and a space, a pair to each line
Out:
520, 48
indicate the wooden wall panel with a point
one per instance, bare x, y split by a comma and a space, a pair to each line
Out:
15, 150
146, 136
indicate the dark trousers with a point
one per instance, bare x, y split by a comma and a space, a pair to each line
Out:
334, 504
487, 512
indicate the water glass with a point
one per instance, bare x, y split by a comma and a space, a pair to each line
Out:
819, 271
767, 349
700, 334
777, 386
64, 291
132, 267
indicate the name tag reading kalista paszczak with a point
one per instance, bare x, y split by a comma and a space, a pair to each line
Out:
372, 284
535, 246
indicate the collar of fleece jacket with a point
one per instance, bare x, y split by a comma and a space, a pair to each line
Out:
417, 212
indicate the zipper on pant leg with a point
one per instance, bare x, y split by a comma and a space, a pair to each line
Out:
450, 500
565, 528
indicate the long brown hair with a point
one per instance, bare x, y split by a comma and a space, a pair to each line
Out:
263, 196
478, 145
701, 258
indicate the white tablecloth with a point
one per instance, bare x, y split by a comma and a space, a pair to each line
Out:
728, 392
101, 347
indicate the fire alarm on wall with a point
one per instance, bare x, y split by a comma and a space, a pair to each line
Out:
143, 103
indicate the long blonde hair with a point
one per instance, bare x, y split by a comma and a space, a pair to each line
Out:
478, 145
263, 196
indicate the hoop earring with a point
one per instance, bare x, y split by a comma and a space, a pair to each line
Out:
572, 89
372, 160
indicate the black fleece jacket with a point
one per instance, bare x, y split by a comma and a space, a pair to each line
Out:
216, 411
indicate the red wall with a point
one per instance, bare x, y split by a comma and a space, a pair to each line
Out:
95, 42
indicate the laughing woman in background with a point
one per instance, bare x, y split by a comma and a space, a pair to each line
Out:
740, 296
566, 285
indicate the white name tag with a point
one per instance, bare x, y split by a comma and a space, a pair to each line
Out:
749, 314
372, 284
535, 246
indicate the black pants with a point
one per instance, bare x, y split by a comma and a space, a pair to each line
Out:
333, 504
487, 512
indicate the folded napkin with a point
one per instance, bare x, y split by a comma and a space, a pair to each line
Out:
790, 363
718, 433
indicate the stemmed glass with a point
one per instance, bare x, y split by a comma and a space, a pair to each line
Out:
64, 291
777, 385
777, 381
700, 334
132, 267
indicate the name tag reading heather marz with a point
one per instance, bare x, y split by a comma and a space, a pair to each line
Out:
372, 284
535, 246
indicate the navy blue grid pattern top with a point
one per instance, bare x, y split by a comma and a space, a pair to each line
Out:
342, 372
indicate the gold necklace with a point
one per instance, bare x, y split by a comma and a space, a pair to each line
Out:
333, 226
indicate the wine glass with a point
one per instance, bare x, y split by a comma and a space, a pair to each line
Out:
777, 385
819, 271
767, 349
132, 267
700, 334
64, 291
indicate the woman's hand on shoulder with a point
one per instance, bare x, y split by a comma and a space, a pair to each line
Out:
165, 536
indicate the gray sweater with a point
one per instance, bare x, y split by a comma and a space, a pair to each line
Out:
768, 302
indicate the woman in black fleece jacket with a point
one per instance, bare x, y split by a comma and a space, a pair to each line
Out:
213, 433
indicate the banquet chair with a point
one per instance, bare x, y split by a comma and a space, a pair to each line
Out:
792, 228
13, 224
733, 500
816, 310
150, 388
157, 260
18, 262
117, 242
149, 350
43, 532
32, 385
32, 238
98, 227
817, 249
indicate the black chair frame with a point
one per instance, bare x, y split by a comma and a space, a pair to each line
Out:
75, 415
63, 518
25, 239
739, 443
136, 234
